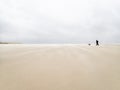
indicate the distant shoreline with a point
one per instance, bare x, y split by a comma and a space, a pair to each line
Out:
92, 44
9, 43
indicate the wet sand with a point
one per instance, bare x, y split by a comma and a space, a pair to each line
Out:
59, 67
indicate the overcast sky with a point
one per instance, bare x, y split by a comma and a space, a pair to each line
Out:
60, 21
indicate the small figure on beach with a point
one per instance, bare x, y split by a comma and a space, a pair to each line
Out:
97, 43
89, 44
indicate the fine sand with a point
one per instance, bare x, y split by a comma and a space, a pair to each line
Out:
59, 67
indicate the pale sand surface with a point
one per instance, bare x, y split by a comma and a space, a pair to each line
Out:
59, 67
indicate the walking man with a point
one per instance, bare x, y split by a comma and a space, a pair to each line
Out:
97, 43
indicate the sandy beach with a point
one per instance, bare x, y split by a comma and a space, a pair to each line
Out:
59, 67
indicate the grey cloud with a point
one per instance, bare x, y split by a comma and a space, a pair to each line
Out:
64, 21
